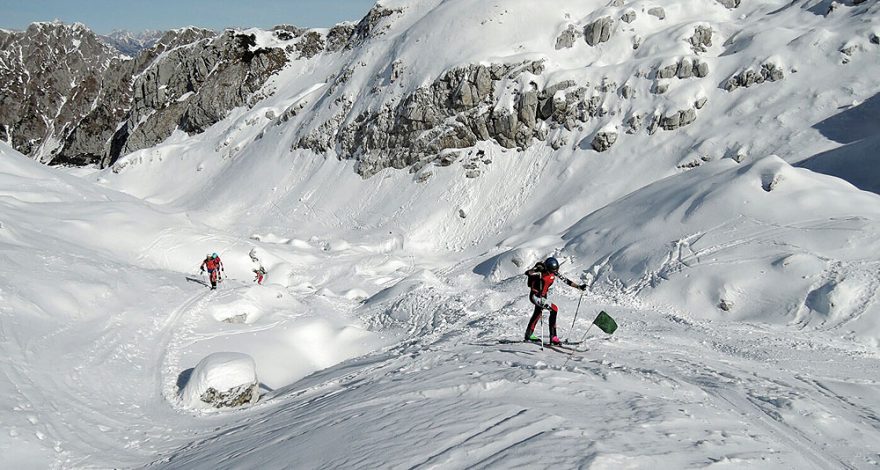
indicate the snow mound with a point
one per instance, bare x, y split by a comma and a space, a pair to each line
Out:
762, 242
222, 380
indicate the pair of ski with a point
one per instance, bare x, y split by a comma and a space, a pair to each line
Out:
564, 347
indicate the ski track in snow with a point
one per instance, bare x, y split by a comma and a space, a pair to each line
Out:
177, 326
480, 405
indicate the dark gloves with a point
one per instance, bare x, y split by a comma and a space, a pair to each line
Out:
582, 286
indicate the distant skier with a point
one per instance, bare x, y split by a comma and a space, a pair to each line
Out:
214, 266
541, 277
260, 274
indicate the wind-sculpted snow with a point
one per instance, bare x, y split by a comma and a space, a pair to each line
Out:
729, 240
689, 393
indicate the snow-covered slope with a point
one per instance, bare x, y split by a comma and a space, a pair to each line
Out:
103, 310
386, 332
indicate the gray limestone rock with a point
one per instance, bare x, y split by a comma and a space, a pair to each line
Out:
231, 398
634, 123
772, 72
397, 69
654, 124
604, 140
309, 45
668, 72
104, 104
701, 69
678, 119
599, 31
628, 16
657, 12
559, 142
568, 37
217, 76
731, 4
370, 26
338, 37
527, 107
701, 41
660, 87
685, 69
43, 102
768, 72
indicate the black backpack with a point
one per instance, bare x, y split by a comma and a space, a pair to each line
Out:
533, 276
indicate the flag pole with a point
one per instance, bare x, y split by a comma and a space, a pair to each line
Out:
583, 338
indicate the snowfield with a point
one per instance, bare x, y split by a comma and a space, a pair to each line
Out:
386, 333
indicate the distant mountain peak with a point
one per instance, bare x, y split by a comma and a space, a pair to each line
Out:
132, 43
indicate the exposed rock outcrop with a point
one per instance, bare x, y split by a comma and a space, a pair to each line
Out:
657, 12
217, 76
41, 104
568, 37
678, 119
453, 112
191, 79
102, 104
701, 41
599, 31
462, 107
768, 72
604, 140
371, 25
684, 68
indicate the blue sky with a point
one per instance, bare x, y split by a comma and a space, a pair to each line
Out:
103, 16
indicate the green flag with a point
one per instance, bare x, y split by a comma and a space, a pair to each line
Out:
605, 322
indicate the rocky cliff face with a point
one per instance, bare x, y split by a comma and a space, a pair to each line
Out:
372, 91
50, 75
194, 86
100, 103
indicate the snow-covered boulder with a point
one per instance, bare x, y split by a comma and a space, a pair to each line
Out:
222, 380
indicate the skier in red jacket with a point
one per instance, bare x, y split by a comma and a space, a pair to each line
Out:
541, 277
214, 266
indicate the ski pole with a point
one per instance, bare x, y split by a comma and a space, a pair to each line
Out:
575, 317
542, 330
